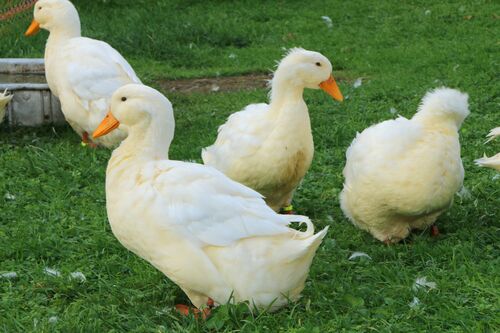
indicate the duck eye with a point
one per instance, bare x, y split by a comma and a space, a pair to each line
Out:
39, 7
124, 99
318, 64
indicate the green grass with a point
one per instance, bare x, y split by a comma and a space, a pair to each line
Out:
54, 214
190, 38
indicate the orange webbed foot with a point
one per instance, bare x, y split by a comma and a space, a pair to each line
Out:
434, 231
186, 310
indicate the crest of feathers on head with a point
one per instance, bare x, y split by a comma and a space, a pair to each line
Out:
288, 54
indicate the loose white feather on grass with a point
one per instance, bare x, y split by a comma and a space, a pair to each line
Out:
8, 275
422, 283
414, 303
51, 272
10, 197
78, 276
328, 21
355, 255
358, 83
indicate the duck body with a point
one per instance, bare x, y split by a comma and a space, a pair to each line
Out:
269, 147
210, 235
265, 157
266, 263
4, 100
402, 174
82, 72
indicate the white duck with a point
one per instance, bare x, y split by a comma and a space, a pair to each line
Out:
493, 161
269, 147
212, 236
4, 100
402, 174
82, 72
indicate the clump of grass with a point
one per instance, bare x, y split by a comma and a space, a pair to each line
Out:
57, 219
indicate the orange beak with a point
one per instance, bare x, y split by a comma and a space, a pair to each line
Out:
33, 29
109, 124
332, 89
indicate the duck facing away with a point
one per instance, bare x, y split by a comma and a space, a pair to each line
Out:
210, 235
4, 100
493, 161
402, 174
269, 147
82, 72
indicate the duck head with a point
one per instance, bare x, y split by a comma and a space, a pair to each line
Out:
140, 109
444, 105
55, 15
308, 69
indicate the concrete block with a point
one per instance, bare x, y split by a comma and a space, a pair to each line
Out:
33, 104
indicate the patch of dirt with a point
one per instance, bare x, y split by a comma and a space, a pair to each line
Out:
207, 85
216, 84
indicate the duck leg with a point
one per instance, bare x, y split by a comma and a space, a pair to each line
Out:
287, 210
205, 312
86, 141
434, 231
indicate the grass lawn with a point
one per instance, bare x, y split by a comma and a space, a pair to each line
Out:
52, 212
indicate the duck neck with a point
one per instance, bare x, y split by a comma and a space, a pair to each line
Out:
437, 122
58, 35
68, 32
285, 92
145, 142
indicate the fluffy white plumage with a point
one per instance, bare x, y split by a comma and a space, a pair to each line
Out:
402, 174
251, 136
209, 234
493, 161
269, 147
82, 72
494, 133
489, 162
4, 100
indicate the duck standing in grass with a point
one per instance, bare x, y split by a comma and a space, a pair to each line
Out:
212, 236
4, 100
269, 147
402, 174
493, 161
82, 72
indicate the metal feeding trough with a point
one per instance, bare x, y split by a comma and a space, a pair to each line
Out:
32, 104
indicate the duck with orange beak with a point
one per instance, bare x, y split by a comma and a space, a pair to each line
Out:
82, 72
269, 147
213, 237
